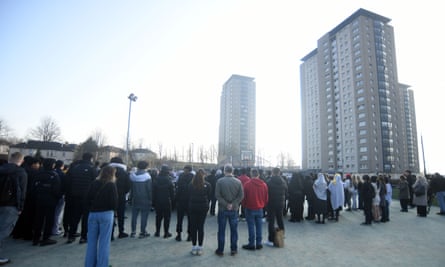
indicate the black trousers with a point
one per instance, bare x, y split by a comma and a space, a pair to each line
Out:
367, 207
272, 214
197, 219
181, 212
43, 220
163, 214
77, 211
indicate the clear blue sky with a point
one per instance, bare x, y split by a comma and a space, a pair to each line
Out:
77, 61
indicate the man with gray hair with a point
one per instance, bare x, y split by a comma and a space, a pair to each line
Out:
229, 193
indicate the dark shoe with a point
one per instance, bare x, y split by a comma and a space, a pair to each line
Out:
233, 252
76, 235
293, 220
144, 235
365, 223
248, 247
189, 238
35, 243
156, 234
319, 222
123, 235
167, 235
82, 240
440, 213
178, 237
47, 242
258, 247
71, 240
219, 253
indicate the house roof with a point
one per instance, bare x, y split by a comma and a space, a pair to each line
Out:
42, 145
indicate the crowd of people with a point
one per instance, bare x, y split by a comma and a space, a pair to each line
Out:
53, 199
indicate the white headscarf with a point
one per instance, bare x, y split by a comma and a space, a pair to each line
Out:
337, 193
320, 187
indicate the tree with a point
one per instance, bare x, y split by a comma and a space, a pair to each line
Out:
99, 137
4, 129
47, 131
89, 145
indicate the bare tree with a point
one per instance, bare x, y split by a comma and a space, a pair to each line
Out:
160, 149
47, 131
99, 137
4, 129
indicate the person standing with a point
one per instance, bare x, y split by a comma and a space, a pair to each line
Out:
229, 193
411, 179
403, 193
296, 197
58, 213
46, 190
12, 204
141, 198
277, 191
182, 201
388, 199
420, 189
200, 192
163, 194
320, 188
255, 199
368, 194
337, 195
211, 179
102, 200
123, 185
79, 178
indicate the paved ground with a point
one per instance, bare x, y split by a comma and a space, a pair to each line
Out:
407, 240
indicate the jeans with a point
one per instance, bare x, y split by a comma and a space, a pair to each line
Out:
232, 217
58, 213
254, 226
441, 200
8, 218
354, 200
144, 217
100, 225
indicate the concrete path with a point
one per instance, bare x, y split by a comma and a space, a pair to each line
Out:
407, 240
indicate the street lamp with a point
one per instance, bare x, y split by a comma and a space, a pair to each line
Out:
132, 98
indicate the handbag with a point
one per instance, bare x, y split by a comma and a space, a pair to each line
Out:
279, 238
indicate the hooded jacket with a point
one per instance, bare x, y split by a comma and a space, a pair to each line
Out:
163, 192
141, 189
256, 194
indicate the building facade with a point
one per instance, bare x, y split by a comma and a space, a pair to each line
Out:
237, 122
58, 151
356, 116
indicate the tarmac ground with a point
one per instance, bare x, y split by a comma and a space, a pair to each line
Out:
407, 240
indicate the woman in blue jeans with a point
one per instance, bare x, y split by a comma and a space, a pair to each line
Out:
102, 203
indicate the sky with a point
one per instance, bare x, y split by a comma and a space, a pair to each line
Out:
78, 61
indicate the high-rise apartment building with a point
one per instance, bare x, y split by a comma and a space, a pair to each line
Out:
356, 116
237, 122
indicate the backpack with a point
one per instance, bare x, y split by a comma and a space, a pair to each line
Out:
8, 187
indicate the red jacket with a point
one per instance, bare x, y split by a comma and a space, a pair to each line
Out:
255, 194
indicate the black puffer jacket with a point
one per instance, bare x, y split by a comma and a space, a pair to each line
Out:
199, 198
79, 179
277, 191
163, 192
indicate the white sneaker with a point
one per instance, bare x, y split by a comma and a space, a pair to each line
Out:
268, 243
194, 251
199, 251
4, 261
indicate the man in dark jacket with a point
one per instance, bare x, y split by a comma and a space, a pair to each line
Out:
368, 194
46, 191
211, 179
123, 184
277, 196
78, 180
163, 194
182, 201
13, 203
